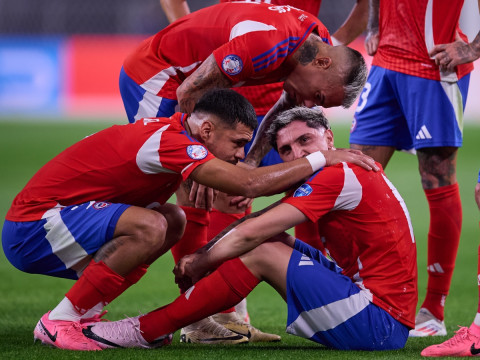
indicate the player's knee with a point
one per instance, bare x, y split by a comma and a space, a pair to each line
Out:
150, 231
176, 222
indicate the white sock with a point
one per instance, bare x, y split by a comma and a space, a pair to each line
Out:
96, 310
65, 311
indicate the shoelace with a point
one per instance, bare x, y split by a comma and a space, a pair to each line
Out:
95, 318
216, 329
460, 335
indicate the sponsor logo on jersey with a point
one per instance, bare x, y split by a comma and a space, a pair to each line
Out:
101, 205
303, 190
232, 64
197, 152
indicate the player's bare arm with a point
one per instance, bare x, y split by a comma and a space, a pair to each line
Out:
207, 76
355, 24
261, 146
174, 9
371, 41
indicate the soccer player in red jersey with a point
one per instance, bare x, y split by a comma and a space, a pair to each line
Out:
97, 212
363, 299
413, 100
466, 341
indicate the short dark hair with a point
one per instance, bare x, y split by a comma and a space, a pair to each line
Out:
355, 78
313, 117
229, 106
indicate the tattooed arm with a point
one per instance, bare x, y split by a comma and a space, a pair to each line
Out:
207, 76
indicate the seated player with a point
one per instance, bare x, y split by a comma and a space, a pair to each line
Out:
96, 213
364, 301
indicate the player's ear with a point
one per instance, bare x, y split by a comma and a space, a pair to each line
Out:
323, 62
206, 130
329, 138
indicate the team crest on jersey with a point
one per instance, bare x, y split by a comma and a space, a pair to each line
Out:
197, 152
101, 205
232, 64
303, 190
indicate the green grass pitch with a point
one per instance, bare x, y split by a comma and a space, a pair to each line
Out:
24, 298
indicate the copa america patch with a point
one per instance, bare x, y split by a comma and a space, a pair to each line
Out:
232, 64
303, 190
101, 205
197, 152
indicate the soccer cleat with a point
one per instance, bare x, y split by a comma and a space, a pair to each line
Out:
208, 331
463, 343
94, 319
124, 333
62, 334
427, 325
234, 323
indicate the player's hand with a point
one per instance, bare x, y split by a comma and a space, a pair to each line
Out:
188, 271
203, 197
241, 202
352, 156
448, 56
371, 42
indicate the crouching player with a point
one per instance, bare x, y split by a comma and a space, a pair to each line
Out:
365, 300
96, 213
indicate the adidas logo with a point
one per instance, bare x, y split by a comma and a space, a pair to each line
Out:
435, 268
305, 260
423, 133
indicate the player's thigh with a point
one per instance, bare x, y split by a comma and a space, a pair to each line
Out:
378, 118
62, 243
433, 110
327, 307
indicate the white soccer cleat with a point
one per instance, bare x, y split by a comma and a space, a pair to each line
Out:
234, 323
124, 333
208, 331
427, 325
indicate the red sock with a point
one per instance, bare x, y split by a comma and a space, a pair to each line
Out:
478, 279
220, 220
132, 278
222, 289
97, 284
443, 239
195, 235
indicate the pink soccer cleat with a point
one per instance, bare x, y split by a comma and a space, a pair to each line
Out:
124, 333
62, 334
463, 343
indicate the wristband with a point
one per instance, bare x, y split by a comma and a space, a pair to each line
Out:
317, 160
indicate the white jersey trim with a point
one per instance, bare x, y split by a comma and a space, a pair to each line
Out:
148, 157
248, 26
351, 194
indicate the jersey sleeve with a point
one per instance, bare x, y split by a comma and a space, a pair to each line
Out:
171, 150
319, 195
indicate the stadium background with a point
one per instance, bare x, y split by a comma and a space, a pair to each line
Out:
59, 65
61, 59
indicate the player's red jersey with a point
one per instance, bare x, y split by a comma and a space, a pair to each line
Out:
367, 231
250, 42
263, 97
408, 31
137, 164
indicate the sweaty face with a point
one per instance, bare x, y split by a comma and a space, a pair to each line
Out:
310, 85
227, 144
297, 140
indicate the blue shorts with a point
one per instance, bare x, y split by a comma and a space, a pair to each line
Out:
139, 103
55, 245
335, 312
408, 112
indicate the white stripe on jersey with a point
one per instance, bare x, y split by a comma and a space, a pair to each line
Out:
402, 204
351, 194
148, 158
156, 82
329, 316
247, 26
